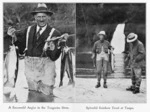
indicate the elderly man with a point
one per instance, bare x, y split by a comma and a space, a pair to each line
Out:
100, 52
136, 56
40, 55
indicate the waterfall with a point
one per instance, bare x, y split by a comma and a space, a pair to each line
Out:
118, 40
117, 58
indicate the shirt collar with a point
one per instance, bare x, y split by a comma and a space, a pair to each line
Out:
43, 28
101, 41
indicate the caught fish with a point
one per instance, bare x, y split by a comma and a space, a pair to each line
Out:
10, 67
66, 65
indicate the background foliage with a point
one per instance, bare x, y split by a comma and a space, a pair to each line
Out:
91, 18
86, 20
19, 16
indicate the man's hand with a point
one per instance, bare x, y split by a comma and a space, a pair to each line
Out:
112, 49
11, 31
50, 46
92, 56
126, 59
65, 36
66, 49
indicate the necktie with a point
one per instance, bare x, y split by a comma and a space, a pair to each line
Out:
38, 33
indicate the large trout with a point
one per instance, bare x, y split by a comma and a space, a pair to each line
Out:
10, 67
66, 65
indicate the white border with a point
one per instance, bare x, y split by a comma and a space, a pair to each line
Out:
78, 107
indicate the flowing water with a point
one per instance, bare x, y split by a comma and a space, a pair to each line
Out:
21, 94
118, 40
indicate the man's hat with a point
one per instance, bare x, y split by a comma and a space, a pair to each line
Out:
42, 8
102, 33
132, 37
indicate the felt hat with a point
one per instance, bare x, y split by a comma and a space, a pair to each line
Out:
132, 37
42, 8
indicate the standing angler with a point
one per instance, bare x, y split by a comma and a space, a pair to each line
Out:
136, 56
40, 55
100, 53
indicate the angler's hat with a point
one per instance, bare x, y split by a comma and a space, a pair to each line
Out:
42, 8
102, 33
132, 37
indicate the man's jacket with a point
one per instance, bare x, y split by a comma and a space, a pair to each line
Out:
137, 54
98, 46
35, 46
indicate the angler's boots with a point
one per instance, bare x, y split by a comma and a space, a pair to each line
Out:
136, 90
71, 82
60, 84
98, 85
131, 88
105, 85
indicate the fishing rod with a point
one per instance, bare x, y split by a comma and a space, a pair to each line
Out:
60, 37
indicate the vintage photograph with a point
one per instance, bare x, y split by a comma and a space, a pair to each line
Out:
74, 52
111, 53
39, 52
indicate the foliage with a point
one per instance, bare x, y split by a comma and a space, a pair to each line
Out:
85, 19
18, 15
91, 18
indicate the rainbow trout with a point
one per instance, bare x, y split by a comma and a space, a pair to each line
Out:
10, 67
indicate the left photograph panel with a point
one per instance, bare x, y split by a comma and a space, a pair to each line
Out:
39, 52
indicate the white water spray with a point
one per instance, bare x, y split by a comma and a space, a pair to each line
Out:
118, 40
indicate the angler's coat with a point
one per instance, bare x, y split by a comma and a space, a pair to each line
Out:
35, 47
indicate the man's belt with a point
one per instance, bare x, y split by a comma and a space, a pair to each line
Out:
101, 52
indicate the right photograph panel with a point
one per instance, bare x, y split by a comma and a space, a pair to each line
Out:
111, 53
